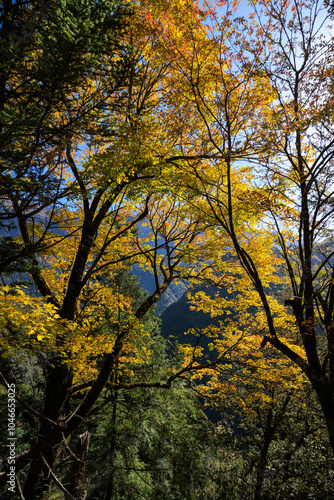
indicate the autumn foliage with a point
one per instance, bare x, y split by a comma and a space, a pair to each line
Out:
191, 139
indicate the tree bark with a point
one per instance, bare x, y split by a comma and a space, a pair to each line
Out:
77, 476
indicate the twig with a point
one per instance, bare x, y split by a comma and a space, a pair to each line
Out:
19, 488
67, 494
73, 455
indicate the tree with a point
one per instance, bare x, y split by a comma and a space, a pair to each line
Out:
159, 155
265, 121
276, 427
268, 404
74, 302
63, 67
161, 446
110, 209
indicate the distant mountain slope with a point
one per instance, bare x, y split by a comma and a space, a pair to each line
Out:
178, 318
172, 294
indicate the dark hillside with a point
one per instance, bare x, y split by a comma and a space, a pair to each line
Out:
172, 294
178, 318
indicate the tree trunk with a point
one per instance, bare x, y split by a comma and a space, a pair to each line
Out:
76, 487
261, 467
59, 380
326, 397
112, 449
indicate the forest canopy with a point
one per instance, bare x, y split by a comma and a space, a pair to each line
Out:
193, 141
